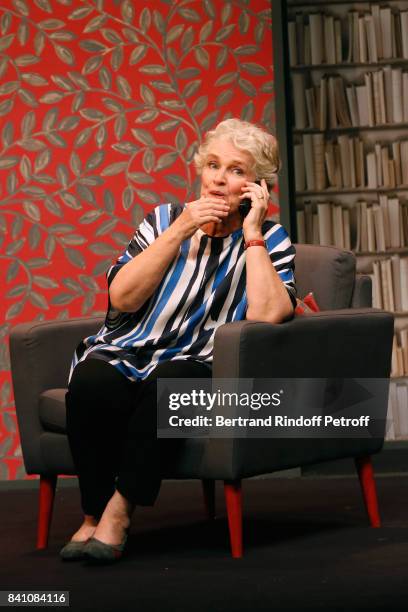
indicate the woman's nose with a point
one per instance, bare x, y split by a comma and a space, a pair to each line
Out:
220, 176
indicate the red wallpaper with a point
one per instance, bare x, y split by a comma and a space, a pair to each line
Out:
102, 104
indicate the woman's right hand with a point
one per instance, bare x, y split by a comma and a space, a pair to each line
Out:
207, 209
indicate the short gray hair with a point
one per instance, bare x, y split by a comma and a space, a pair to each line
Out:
247, 137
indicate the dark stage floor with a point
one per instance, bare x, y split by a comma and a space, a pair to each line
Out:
307, 547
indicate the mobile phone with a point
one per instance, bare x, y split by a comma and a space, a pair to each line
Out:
246, 204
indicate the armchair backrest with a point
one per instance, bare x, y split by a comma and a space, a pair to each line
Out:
331, 274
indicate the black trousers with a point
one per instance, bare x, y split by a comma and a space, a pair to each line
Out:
111, 425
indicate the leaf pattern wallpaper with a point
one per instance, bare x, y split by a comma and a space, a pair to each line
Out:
102, 105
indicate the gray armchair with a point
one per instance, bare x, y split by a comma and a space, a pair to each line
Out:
347, 336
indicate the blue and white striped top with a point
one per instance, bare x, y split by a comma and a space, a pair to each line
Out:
203, 288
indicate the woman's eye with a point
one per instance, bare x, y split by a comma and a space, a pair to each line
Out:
212, 164
238, 171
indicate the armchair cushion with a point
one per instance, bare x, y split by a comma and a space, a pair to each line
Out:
52, 410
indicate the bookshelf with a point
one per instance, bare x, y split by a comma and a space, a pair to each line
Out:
347, 142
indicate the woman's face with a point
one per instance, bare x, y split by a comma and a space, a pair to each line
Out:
226, 170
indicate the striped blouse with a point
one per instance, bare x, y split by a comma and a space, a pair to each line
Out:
203, 288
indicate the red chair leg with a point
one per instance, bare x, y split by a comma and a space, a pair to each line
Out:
209, 497
46, 502
233, 500
366, 476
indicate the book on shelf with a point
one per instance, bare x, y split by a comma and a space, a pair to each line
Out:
365, 227
309, 161
338, 229
387, 284
317, 41
353, 168
293, 56
325, 224
403, 334
404, 161
346, 228
397, 417
370, 34
379, 98
379, 232
352, 102
363, 221
386, 31
390, 424
329, 39
330, 163
311, 107
322, 109
404, 283
383, 201
331, 116
393, 283
372, 182
362, 105
301, 227
392, 429
299, 100
341, 105
334, 103
378, 163
370, 230
343, 142
375, 11
378, 301
405, 96
362, 39
345, 163
307, 53
396, 279
300, 38
308, 211
319, 161
349, 38
338, 41
386, 164
394, 221
368, 79
356, 56
374, 33
398, 102
390, 222
404, 33
402, 403
299, 159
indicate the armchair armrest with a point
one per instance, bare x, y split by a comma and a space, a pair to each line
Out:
350, 343
40, 355
337, 343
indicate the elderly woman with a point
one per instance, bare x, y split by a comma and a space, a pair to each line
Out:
187, 270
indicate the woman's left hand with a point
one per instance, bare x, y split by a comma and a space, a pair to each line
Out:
259, 195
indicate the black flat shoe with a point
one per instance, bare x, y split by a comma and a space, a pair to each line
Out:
73, 551
98, 552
